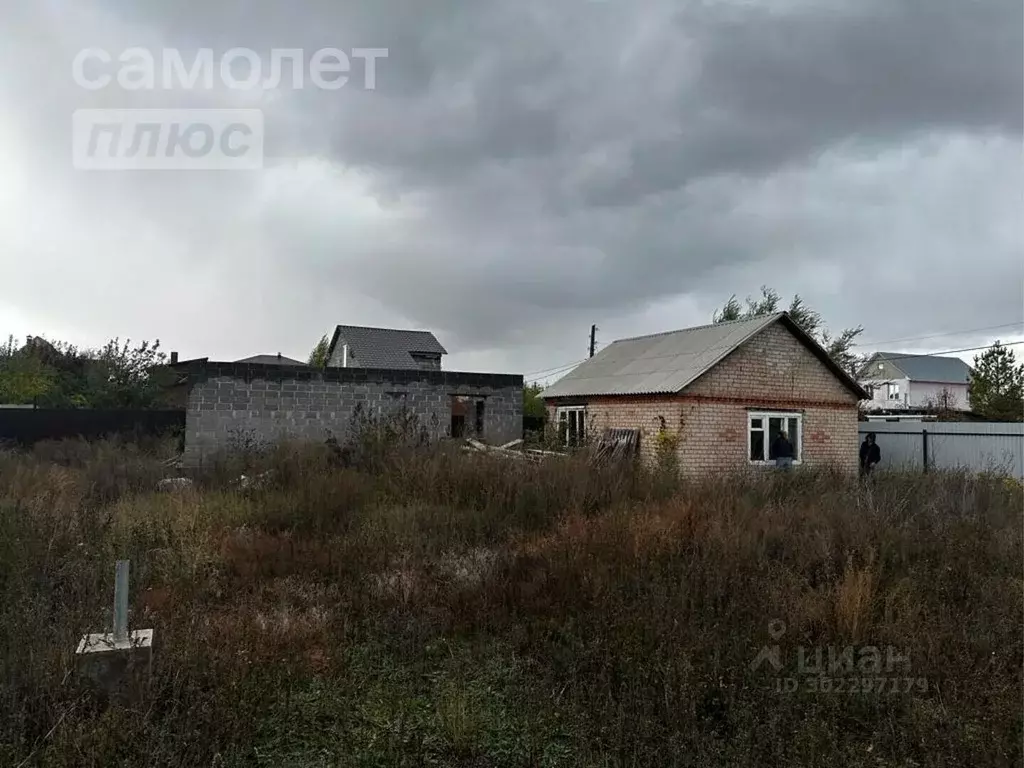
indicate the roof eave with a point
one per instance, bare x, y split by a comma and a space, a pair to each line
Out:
563, 396
428, 351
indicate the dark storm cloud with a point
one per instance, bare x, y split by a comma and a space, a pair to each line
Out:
717, 89
523, 169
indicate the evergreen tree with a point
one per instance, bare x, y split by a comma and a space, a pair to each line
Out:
997, 385
318, 357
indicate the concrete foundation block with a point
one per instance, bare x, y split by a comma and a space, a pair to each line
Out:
117, 668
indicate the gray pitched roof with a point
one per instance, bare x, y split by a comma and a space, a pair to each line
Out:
665, 363
270, 360
385, 347
941, 370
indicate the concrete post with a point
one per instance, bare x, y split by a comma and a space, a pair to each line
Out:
118, 663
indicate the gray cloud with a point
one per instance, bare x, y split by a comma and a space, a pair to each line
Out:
523, 170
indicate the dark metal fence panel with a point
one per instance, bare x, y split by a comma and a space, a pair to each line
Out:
27, 426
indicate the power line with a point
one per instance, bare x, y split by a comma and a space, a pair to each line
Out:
952, 351
937, 335
556, 368
553, 373
674, 354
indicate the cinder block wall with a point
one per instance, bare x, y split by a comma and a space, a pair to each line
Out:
772, 371
231, 402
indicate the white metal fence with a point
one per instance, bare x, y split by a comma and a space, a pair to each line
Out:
949, 445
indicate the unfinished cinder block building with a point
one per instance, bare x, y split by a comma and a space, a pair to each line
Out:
377, 371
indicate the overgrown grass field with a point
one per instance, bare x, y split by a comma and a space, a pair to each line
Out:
427, 607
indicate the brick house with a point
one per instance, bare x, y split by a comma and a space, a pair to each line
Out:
717, 395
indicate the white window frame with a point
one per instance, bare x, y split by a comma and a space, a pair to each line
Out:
764, 416
564, 411
892, 391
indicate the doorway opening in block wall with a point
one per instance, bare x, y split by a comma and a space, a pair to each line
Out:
478, 421
764, 427
468, 416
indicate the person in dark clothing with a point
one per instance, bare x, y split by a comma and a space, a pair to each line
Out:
781, 450
870, 454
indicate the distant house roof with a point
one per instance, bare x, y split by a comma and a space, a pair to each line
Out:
933, 368
271, 360
385, 347
665, 363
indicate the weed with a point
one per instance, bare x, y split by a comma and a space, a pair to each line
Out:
413, 605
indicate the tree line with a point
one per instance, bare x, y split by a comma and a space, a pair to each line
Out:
56, 374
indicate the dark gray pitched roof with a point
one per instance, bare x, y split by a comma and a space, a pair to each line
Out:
270, 360
941, 370
665, 363
385, 347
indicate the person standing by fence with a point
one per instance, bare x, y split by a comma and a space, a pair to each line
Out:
870, 454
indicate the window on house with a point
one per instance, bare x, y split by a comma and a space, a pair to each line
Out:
572, 427
893, 391
764, 428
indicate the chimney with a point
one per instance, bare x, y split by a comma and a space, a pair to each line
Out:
278, 357
174, 358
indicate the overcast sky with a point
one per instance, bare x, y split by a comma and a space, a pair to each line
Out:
524, 169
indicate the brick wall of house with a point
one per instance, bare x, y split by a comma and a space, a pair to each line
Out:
773, 366
714, 436
229, 403
645, 414
772, 371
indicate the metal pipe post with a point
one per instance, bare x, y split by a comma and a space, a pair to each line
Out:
121, 602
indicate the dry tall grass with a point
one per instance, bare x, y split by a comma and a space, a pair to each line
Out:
431, 608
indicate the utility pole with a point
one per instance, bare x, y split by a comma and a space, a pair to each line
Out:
593, 339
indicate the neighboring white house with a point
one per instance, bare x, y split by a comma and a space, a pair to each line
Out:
898, 381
